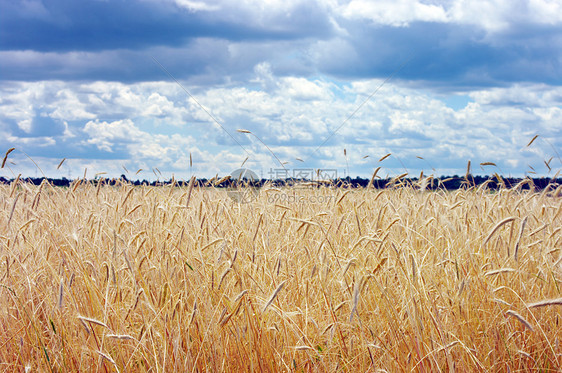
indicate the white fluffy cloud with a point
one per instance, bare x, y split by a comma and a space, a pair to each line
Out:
146, 125
496, 15
105, 136
196, 6
491, 15
394, 12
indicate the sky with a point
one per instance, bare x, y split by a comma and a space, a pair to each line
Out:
114, 87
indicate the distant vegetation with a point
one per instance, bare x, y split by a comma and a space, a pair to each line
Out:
443, 182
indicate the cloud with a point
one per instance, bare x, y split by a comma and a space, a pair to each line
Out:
394, 12
105, 136
157, 125
303, 89
197, 6
447, 44
528, 95
490, 15
500, 15
93, 25
442, 55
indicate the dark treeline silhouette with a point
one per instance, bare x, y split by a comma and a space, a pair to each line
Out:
431, 183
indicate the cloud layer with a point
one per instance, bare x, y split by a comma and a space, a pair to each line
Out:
149, 125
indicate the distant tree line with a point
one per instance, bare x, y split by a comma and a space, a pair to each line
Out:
430, 183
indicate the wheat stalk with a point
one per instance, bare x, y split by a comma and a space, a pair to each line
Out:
545, 303
520, 318
273, 296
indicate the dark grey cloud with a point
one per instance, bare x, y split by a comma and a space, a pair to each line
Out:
116, 40
447, 54
195, 59
92, 25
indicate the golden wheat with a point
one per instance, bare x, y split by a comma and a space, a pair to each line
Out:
184, 278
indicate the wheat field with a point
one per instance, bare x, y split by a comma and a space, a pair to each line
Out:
123, 278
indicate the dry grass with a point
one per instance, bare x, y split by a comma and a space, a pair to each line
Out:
177, 279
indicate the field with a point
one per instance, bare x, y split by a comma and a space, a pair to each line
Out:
122, 278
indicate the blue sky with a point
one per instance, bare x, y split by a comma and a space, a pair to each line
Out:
470, 80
